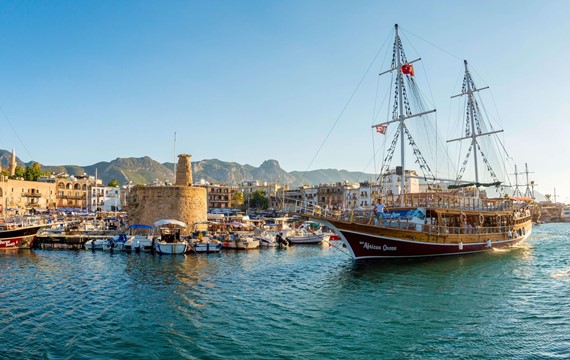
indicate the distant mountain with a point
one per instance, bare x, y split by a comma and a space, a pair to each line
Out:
146, 171
138, 170
217, 171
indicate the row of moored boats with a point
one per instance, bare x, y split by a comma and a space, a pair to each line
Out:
165, 238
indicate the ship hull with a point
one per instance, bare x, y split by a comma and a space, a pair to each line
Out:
366, 246
21, 238
389, 244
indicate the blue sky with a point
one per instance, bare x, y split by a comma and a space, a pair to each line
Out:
247, 81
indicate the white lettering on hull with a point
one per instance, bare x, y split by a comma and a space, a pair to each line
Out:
384, 247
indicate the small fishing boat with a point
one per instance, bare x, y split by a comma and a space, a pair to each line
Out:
169, 241
139, 238
305, 237
240, 242
308, 233
95, 244
206, 245
267, 238
115, 244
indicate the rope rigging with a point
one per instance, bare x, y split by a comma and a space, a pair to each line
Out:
407, 110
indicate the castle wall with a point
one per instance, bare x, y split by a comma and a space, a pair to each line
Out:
147, 204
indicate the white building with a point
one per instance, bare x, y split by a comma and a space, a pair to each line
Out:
105, 198
367, 194
392, 182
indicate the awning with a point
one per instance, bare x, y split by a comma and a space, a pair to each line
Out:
164, 222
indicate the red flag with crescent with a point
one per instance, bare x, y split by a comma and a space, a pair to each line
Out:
381, 129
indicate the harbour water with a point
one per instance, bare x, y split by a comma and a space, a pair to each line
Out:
309, 302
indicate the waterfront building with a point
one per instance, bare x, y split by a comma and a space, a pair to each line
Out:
73, 191
293, 197
104, 198
310, 194
391, 182
22, 196
274, 192
367, 193
219, 196
338, 195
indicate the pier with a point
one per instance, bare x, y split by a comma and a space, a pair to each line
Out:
68, 241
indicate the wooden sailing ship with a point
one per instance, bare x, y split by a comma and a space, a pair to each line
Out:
458, 220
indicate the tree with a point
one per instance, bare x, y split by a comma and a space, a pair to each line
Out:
113, 183
237, 199
19, 172
32, 173
258, 200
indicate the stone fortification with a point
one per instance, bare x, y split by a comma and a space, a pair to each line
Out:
147, 204
184, 170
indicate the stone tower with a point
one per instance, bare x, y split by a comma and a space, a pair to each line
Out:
147, 204
184, 170
13, 163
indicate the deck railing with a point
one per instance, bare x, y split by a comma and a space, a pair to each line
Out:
367, 217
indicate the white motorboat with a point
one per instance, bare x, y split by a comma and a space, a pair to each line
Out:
304, 237
170, 248
95, 244
116, 243
206, 244
267, 238
240, 242
169, 241
139, 238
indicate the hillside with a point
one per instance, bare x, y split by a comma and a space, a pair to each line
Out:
146, 171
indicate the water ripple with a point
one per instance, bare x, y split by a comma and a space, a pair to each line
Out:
305, 302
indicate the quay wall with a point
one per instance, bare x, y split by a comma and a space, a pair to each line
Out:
147, 204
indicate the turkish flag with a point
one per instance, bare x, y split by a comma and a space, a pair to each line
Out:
408, 69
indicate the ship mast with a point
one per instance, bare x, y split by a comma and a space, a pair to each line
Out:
403, 111
401, 106
528, 192
473, 126
517, 192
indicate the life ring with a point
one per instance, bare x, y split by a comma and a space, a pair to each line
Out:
516, 215
462, 217
481, 219
226, 243
498, 217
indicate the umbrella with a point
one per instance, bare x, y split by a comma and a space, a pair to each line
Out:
169, 222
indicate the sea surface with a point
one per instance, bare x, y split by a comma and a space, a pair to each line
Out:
307, 302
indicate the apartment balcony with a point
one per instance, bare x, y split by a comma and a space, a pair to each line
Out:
32, 195
72, 197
